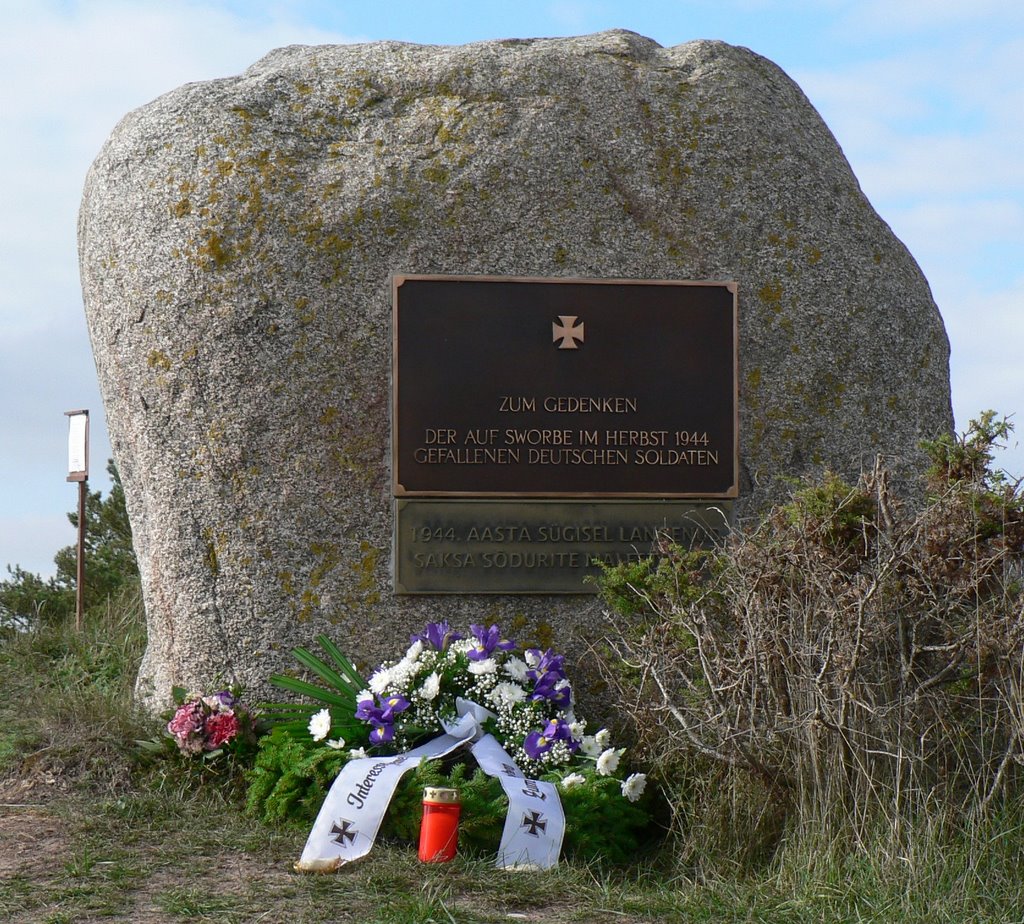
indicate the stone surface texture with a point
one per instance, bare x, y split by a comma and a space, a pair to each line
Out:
237, 239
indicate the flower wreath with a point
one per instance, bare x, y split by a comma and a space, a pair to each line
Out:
531, 712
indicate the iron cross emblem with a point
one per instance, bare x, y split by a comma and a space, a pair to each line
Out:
568, 332
535, 823
345, 832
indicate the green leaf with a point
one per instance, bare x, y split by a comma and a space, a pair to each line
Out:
342, 684
344, 664
320, 694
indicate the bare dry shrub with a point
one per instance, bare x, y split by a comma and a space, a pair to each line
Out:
850, 662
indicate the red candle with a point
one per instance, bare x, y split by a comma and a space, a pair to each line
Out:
439, 830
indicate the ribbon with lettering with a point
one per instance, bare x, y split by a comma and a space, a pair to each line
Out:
351, 815
535, 823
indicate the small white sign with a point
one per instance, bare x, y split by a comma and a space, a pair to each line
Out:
78, 445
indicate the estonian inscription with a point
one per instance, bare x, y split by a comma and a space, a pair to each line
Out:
525, 546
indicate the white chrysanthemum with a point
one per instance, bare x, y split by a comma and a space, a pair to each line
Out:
356, 753
381, 680
573, 779
431, 687
576, 729
590, 747
608, 762
487, 666
506, 694
336, 743
603, 738
633, 786
515, 668
415, 650
320, 724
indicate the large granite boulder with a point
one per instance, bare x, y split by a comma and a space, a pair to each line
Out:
237, 242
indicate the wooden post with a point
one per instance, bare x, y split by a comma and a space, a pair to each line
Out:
78, 470
80, 570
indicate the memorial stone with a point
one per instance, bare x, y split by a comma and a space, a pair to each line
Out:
245, 244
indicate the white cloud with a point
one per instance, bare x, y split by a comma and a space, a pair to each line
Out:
573, 14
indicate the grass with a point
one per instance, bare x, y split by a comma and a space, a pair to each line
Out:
88, 833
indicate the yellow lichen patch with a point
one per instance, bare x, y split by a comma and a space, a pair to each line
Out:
436, 173
304, 314
216, 543
329, 557
367, 565
214, 250
159, 360
215, 432
771, 294
287, 581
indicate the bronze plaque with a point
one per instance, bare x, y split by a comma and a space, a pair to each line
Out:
527, 546
564, 388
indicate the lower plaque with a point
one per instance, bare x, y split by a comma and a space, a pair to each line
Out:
539, 546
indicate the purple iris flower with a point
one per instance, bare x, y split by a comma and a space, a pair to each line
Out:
548, 676
536, 744
547, 663
487, 640
367, 709
438, 635
540, 742
554, 689
226, 698
382, 734
381, 715
392, 706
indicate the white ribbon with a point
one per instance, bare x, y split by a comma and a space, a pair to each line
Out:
354, 808
535, 823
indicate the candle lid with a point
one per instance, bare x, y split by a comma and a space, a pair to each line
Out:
440, 794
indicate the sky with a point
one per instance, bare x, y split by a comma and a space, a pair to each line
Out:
924, 96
